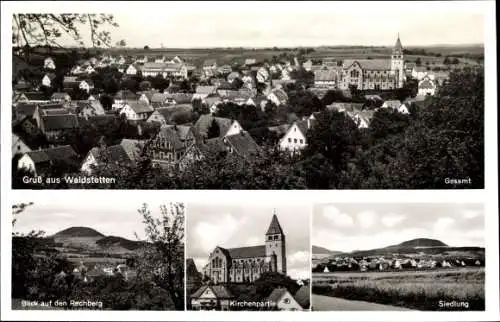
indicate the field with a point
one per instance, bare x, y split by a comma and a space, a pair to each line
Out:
419, 290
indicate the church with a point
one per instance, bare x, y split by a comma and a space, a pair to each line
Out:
246, 264
377, 74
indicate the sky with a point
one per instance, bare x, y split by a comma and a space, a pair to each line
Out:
109, 216
250, 24
229, 226
346, 227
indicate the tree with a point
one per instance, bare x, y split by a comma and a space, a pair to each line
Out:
163, 261
269, 281
145, 86
418, 61
214, 130
446, 60
122, 43
36, 29
146, 47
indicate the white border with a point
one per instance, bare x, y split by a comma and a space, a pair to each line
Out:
488, 196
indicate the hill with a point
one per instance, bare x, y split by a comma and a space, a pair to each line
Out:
421, 242
118, 242
78, 232
323, 250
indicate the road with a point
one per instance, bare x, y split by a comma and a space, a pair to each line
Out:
328, 303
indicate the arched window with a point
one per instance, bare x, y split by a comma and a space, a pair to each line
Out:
354, 73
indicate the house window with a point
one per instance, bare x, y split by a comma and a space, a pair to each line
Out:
294, 140
289, 140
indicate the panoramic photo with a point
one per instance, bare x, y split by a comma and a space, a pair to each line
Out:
397, 257
100, 101
76, 255
248, 258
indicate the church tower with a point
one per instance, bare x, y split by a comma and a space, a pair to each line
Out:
275, 244
397, 63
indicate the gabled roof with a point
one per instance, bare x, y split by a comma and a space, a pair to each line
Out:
369, 64
60, 153
59, 122
59, 95
26, 109
140, 107
113, 153
51, 76
209, 62
303, 296
280, 94
247, 252
280, 130
274, 226
302, 125
243, 144
35, 96
220, 291
341, 106
398, 45
277, 294
205, 89
325, 75
205, 121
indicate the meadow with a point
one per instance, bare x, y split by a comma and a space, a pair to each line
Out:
419, 290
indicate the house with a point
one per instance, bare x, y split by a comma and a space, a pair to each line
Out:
159, 99
212, 102
172, 148
284, 300
211, 297
226, 126
419, 72
426, 87
278, 97
124, 154
295, 137
209, 67
132, 69
136, 111
204, 91
49, 63
362, 118
48, 79
86, 85
344, 107
393, 104
54, 125
307, 65
250, 61
164, 115
60, 97
87, 108
262, 75
41, 160
241, 144
233, 76
32, 97
121, 97
325, 78
18, 145
224, 69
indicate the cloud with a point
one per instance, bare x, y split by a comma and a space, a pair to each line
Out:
210, 234
332, 214
366, 219
391, 220
469, 214
443, 224
298, 257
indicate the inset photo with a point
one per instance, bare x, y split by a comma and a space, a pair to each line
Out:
104, 254
398, 256
248, 257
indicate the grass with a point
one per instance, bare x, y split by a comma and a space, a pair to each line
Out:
420, 290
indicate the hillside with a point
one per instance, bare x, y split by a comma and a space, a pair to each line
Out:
421, 242
78, 232
323, 250
118, 242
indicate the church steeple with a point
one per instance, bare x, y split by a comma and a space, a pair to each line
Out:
398, 47
274, 227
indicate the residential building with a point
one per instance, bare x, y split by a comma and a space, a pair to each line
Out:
124, 154
41, 160
226, 126
173, 147
427, 86
211, 297
284, 300
295, 139
136, 111
49, 63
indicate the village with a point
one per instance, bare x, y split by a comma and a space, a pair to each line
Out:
181, 110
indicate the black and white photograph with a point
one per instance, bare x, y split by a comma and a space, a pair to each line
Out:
248, 257
101, 255
398, 257
291, 100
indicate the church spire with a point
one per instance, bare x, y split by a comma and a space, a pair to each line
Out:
398, 45
274, 227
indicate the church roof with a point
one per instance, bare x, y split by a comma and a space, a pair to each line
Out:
369, 64
398, 45
274, 227
247, 252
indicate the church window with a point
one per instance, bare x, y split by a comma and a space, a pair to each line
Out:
269, 237
276, 237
